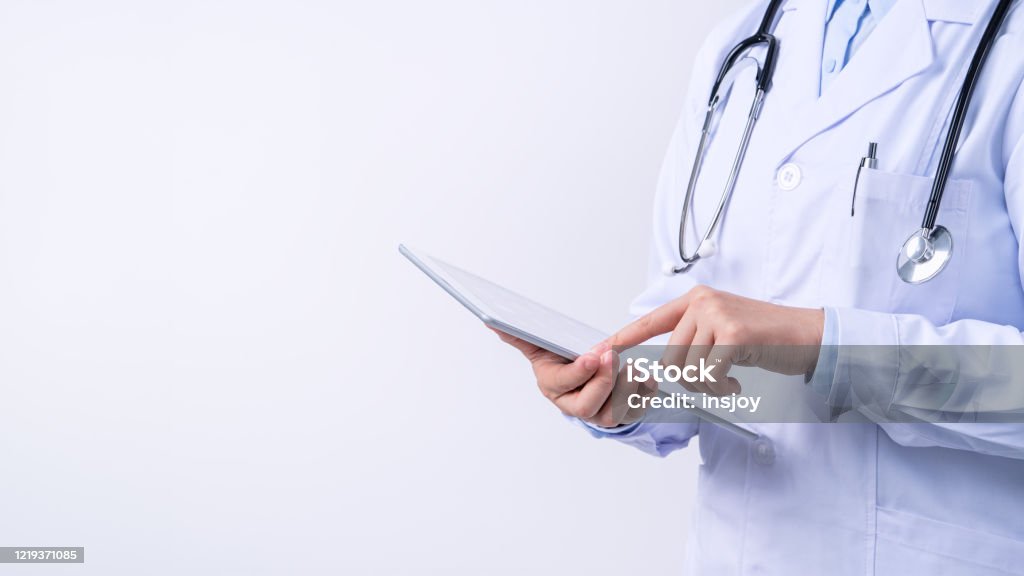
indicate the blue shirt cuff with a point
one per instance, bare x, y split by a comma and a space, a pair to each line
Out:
599, 432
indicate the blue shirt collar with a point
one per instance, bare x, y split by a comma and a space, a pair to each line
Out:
878, 7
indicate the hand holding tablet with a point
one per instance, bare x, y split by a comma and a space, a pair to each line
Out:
552, 341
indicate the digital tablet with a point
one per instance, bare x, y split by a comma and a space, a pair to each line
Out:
507, 311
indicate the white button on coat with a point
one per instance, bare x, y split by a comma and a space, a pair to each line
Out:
789, 177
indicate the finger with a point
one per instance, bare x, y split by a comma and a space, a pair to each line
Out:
626, 414
558, 377
722, 358
661, 320
586, 402
730, 357
700, 344
678, 347
680, 341
555, 375
616, 408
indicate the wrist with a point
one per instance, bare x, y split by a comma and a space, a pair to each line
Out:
818, 326
812, 339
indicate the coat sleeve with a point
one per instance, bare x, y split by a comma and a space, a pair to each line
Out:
930, 385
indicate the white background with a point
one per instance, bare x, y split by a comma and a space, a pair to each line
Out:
213, 359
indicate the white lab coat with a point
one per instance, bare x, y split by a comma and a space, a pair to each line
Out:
862, 498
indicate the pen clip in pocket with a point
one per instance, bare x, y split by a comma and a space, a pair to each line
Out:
869, 161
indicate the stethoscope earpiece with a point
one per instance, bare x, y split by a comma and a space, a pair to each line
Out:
708, 248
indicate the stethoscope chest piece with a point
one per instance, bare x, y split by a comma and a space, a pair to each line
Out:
924, 255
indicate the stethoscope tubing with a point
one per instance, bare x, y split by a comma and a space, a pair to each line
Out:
764, 81
963, 103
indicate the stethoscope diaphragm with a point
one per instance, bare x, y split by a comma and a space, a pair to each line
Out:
924, 255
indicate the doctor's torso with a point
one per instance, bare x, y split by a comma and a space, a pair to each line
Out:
846, 498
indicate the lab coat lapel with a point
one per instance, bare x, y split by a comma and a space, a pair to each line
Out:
899, 48
801, 33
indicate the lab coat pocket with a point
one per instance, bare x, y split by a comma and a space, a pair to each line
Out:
911, 544
888, 208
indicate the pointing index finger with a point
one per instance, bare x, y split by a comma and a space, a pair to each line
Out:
661, 320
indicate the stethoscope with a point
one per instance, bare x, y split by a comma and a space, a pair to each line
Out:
928, 250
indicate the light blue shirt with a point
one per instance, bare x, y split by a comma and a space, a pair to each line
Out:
848, 24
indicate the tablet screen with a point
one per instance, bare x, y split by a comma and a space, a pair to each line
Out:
509, 311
